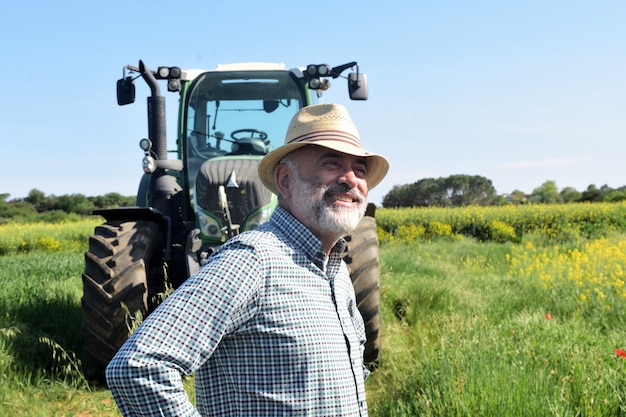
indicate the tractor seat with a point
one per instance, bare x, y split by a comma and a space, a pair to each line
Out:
246, 195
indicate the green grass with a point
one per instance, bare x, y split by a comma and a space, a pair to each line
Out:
465, 332
41, 339
464, 338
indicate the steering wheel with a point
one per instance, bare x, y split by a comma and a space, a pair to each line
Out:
262, 134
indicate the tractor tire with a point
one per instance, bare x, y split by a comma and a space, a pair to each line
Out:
122, 268
361, 256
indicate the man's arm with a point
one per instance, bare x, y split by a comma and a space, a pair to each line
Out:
178, 337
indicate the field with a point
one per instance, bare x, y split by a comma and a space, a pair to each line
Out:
515, 311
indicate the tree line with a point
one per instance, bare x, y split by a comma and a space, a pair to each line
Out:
466, 190
39, 206
453, 191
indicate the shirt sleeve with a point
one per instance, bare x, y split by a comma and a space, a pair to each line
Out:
145, 376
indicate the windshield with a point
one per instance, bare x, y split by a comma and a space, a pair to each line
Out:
239, 113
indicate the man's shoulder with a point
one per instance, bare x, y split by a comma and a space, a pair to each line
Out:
282, 233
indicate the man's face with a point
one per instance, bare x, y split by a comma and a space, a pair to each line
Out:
328, 190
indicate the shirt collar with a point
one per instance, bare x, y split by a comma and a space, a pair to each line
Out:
302, 238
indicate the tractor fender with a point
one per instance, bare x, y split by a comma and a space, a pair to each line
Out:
142, 213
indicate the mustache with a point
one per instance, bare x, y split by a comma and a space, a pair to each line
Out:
344, 189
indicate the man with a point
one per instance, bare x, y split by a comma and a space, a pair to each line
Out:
269, 325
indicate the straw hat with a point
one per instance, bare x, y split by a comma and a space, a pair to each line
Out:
327, 125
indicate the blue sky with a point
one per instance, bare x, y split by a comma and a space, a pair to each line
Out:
518, 92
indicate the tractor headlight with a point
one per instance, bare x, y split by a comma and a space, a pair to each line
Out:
168, 73
257, 219
209, 225
319, 84
149, 164
173, 85
321, 70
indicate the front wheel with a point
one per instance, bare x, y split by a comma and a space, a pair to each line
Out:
123, 261
361, 256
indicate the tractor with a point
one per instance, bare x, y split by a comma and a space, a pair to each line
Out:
187, 206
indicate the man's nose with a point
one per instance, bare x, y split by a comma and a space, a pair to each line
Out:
349, 178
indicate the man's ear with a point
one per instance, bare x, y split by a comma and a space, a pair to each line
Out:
282, 178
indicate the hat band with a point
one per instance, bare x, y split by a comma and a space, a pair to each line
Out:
336, 135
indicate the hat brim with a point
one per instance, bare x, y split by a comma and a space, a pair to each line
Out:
377, 165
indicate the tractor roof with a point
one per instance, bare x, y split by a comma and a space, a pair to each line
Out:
191, 74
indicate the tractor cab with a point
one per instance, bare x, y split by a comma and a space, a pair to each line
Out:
231, 118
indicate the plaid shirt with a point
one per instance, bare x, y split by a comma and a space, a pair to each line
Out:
268, 326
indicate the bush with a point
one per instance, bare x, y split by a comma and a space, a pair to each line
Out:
500, 232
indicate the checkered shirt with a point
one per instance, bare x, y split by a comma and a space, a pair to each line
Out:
268, 326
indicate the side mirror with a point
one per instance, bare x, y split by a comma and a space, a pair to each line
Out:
357, 86
125, 91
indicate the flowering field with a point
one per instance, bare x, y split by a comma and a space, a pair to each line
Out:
502, 224
48, 237
515, 311
511, 311
585, 280
575, 252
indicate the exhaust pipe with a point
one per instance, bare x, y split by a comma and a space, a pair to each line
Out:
156, 114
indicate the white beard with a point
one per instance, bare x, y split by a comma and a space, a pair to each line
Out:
309, 198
